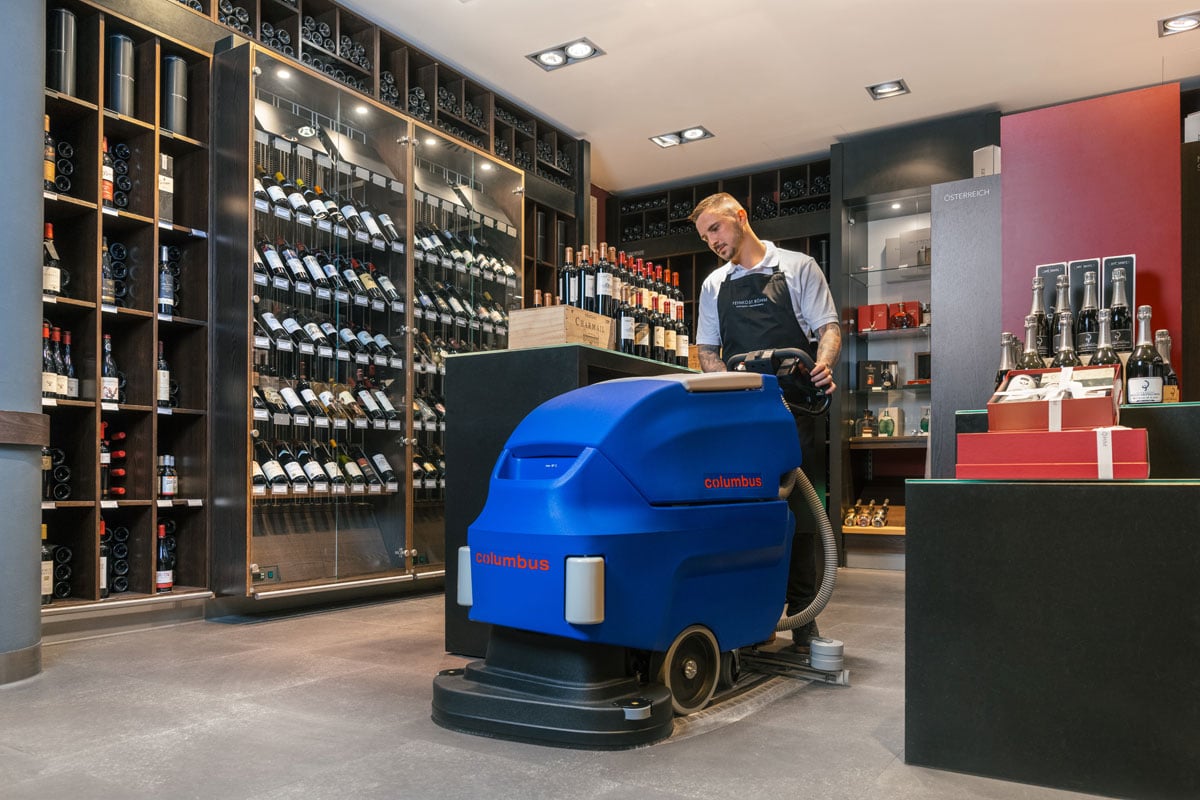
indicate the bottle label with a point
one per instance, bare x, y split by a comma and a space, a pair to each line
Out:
164, 579
167, 485
1144, 390
166, 289
604, 284
627, 328
51, 280
681, 345
47, 577
273, 471
164, 385
109, 389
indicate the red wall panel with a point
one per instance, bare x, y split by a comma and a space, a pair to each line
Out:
1091, 179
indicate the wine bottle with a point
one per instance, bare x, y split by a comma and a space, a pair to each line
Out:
1087, 325
1064, 354
164, 565
1062, 302
1122, 318
106, 174
108, 286
47, 569
1105, 354
291, 467
1030, 358
1143, 370
110, 389
72, 382
52, 274
270, 464
1162, 343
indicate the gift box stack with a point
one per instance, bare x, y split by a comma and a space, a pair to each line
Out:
1055, 424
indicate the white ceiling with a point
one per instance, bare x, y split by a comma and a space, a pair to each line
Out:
781, 80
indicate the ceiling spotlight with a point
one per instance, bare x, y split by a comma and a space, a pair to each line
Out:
888, 89
1179, 23
564, 55
685, 136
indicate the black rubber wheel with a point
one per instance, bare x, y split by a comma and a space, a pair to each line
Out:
690, 669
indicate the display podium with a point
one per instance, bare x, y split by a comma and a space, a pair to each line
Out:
487, 395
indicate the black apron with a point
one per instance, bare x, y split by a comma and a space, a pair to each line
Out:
755, 312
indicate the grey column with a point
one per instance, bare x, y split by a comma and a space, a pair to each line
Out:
23, 41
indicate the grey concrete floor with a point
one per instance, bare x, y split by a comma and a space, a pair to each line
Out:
335, 704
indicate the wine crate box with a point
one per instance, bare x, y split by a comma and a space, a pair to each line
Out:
1018, 405
1101, 454
538, 327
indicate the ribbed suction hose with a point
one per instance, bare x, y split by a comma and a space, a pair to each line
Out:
799, 480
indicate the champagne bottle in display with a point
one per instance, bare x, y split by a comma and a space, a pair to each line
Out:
109, 380
1062, 303
163, 376
1122, 317
1105, 355
1162, 343
108, 284
1065, 355
1006, 362
51, 268
164, 564
1143, 370
49, 158
1030, 359
106, 175
47, 569
1087, 325
270, 465
1038, 312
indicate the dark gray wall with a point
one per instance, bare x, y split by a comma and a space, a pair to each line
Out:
965, 305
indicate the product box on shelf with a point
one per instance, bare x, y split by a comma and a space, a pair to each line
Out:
873, 317
1056, 399
561, 324
1110, 453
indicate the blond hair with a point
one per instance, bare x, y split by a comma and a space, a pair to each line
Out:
722, 203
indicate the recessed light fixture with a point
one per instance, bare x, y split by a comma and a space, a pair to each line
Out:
1180, 23
685, 136
564, 55
888, 89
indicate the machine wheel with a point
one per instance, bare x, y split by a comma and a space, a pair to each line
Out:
691, 668
731, 669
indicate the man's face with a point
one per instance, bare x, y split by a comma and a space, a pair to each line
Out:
722, 234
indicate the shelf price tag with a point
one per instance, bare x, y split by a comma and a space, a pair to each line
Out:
324, 294
324, 352
109, 407
261, 415
281, 283
284, 344
343, 355
261, 205
280, 418
260, 279
360, 422
320, 422
341, 296
283, 213
393, 486
395, 425
325, 225
377, 305
301, 419
108, 504
340, 425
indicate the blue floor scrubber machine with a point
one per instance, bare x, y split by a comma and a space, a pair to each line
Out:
635, 540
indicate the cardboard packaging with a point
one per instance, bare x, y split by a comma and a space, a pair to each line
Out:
873, 317
1091, 399
549, 325
987, 161
1100, 454
166, 188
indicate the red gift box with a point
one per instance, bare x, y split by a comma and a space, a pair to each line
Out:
873, 317
1011, 410
1104, 453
